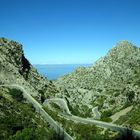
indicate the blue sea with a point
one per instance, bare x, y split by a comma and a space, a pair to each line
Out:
54, 71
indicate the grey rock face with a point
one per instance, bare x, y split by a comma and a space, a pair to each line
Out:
15, 68
113, 81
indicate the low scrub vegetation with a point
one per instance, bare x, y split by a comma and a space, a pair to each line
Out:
16, 94
80, 131
19, 121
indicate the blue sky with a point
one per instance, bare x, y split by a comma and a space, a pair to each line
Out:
69, 31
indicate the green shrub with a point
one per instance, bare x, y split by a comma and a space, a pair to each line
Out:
131, 95
17, 94
107, 119
106, 113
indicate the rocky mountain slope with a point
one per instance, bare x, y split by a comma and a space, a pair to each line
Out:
105, 89
18, 117
16, 69
111, 84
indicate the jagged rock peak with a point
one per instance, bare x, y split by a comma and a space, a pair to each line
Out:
13, 53
123, 45
15, 68
10, 44
11, 49
123, 48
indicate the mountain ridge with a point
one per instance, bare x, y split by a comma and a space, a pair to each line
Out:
14, 67
111, 84
107, 88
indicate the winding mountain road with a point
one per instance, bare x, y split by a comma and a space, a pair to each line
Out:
101, 124
96, 113
42, 112
61, 102
68, 117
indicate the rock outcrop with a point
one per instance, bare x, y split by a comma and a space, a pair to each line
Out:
16, 69
112, 83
